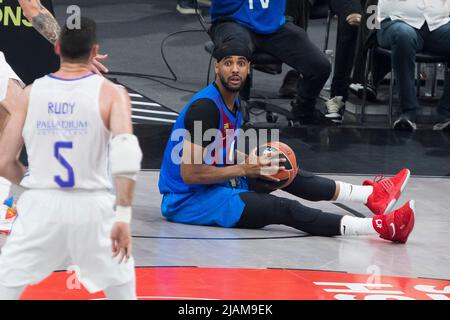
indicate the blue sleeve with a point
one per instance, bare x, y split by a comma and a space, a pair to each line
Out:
221, 8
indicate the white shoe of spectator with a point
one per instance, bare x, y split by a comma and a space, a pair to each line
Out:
186, 7
335, 109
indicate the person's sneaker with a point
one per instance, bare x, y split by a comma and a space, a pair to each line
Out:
397, 225
8, 215
186, 7
441, 122
358, 90
386, 191
404, 123
335, 109
289, 88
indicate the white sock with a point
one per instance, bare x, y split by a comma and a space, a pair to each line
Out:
5, 188
125, 291
10, 293
353, 226
350, 192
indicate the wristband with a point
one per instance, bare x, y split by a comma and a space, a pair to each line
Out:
123, 214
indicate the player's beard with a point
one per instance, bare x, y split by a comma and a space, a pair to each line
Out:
232, 89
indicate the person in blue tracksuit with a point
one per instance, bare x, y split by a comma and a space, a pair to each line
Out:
261, 26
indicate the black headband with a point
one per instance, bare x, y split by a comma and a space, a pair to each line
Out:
232, 49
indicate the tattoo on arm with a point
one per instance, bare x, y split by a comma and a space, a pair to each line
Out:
43, 21
47, 25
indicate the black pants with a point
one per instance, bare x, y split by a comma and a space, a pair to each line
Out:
262, 208
291, 45
345, 54
347, 38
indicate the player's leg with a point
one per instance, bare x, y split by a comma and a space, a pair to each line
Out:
90, 246
125, 291
379, 196
263, 209
36, 245
10, 293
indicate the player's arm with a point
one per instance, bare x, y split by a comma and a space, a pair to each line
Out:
126, 157
253, 167
42, 20
193, 169
11, 140
45, 23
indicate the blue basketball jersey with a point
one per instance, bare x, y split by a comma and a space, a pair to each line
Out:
216, 204
260, 16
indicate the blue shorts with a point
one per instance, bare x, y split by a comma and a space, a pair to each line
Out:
214, 205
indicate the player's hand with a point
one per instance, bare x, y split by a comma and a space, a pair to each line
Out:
264, 166
97, 66
354, 19
121, 241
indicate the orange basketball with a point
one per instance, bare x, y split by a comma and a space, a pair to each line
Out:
287, 175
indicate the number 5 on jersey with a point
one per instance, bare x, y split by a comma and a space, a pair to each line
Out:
70, 182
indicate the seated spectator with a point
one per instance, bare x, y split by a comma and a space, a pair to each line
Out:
261, 25
349, 14
297, 12
408, 27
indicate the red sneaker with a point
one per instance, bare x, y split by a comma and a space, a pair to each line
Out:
397, 225
386, 191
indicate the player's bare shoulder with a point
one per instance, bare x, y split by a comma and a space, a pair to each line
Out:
115, 94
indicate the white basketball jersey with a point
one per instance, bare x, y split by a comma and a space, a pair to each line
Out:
65, 137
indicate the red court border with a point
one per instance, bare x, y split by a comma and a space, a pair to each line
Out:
251, 284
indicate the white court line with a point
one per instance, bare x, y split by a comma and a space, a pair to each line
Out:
135, 95
156, 112
146, 104
154, 119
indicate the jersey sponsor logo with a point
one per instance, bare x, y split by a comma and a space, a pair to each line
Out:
73, 127
12, 16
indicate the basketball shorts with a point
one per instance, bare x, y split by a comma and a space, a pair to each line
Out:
214, 205
6, 73
63, 230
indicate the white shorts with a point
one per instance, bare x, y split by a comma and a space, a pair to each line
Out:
6, 73
60, 230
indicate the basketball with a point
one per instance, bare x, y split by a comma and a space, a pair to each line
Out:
288, 174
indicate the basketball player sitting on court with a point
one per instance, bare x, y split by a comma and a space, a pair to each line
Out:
213, 194
76, 127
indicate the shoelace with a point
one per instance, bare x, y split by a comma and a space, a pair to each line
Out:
385, 183
333, 106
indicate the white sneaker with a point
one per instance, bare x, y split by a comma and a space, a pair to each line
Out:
335, 109
186, 8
